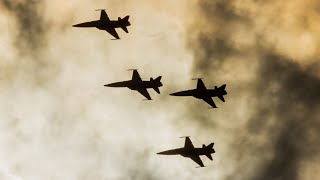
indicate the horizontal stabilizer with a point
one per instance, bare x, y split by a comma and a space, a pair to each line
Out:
156, 89
209, 156
221, 98
125, 29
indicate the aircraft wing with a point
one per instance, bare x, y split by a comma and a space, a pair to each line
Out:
197, 160
113, 32
104, 16
200, 84
209, 101
145, 93
188, 144
136, 76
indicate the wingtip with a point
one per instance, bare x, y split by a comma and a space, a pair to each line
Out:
212, 107
196, 78
132, 69
200, 166
100, 9
184, 136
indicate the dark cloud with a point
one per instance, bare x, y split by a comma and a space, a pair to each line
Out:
30, 37
30, 23
283, 97
212, 42
295, 112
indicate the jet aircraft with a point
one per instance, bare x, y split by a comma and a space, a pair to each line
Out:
104, 23
201, 92
191, 152
136, 83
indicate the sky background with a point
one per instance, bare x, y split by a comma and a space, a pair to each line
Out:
58, 121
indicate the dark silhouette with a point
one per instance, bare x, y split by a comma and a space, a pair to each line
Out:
136, 83
201, 92
191, 152
104, 23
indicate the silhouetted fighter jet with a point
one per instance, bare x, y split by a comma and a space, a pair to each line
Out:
104, 23
136, 83
201, 92
191, 152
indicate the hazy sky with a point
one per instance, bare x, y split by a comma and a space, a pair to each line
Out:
58, 121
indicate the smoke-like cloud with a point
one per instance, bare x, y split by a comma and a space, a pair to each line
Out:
31, 26
245, 44
59, 122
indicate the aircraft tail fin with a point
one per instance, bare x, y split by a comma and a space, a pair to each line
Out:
223, 87
157, 84
126, 19
209, 148
222, 92
124, 23
158, 78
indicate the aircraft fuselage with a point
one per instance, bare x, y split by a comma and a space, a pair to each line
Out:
134, 85
200, 94
103, 25
111, 24
186, 152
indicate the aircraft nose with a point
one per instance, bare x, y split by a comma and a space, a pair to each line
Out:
176, 94
76, 25
173, 94
169, 152
85, 24
110, 85
165, 152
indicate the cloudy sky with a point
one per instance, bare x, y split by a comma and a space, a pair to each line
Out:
58, 121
